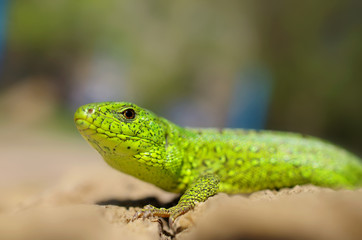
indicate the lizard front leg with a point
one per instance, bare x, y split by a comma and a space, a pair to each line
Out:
204, 187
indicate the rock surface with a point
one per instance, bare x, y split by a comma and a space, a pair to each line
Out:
59, 188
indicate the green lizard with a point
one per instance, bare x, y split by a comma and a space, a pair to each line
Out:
199, 163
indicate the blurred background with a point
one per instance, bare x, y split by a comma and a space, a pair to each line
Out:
280, 65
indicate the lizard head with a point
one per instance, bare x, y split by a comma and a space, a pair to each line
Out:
126, 135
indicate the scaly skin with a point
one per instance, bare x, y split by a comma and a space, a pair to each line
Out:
202, 162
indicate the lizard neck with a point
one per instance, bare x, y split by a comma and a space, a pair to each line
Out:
156, 162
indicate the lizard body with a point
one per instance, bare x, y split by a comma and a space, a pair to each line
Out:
199, 163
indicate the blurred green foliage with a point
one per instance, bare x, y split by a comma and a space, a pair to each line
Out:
314, 49
166, 44
195, 49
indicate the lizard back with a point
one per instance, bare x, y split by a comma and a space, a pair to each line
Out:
247, 160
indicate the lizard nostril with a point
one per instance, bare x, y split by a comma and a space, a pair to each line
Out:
90, 110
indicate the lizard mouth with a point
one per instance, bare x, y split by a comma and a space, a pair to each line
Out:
89, 129
82, 124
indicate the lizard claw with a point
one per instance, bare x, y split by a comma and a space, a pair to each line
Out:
149, 211
172, 213
136, 215
171, 222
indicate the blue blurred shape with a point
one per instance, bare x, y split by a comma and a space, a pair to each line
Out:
3, 21
250, 99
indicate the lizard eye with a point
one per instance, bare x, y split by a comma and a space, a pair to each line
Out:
129, 113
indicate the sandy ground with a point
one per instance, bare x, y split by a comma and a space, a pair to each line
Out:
57, 187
